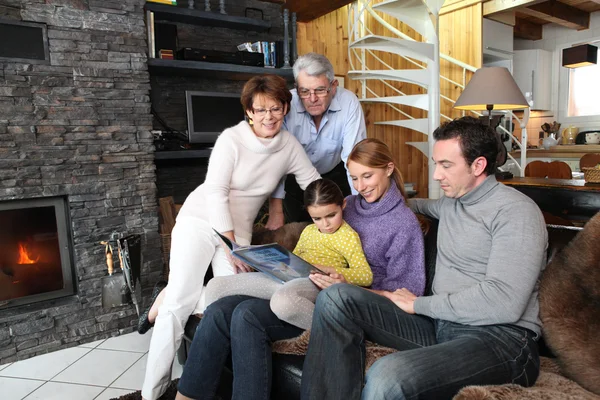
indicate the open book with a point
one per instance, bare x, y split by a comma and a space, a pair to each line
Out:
272, 259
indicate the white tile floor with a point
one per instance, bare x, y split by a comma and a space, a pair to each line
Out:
100, 370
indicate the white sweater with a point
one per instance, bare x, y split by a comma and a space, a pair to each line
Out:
243, 171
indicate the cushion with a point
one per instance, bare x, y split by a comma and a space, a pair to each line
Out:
570, 306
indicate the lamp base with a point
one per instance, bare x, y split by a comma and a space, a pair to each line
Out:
503, 174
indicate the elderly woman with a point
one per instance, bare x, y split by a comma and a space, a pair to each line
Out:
245, 327
246, 164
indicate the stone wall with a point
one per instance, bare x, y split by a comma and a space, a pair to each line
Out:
80, 127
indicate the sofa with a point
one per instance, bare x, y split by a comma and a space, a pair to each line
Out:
287, 368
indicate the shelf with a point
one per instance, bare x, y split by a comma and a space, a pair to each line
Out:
181, 154
164, 12
158, 66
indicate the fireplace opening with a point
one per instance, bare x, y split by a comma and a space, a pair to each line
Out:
35, 251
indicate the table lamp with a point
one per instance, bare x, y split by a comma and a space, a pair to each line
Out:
492, 88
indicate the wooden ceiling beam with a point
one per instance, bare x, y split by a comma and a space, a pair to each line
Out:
506, 18
559, 13
527, 30
308, 10
497, 6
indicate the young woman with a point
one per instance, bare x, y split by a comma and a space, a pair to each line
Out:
245, 327
330, 243
246, 164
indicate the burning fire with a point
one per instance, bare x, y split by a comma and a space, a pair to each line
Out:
24, 255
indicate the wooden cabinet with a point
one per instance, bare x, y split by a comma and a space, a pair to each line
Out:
497, 41
532, 70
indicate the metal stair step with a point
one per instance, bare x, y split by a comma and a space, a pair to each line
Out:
417, 124
423, 147
408, 48
414, 13
420, 77
417, 100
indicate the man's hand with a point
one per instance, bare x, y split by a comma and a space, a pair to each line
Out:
323, 281
276, 217
403, 298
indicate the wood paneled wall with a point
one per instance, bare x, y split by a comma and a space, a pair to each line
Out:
460, 37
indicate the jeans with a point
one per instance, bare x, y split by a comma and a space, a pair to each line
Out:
436, 358
244, 327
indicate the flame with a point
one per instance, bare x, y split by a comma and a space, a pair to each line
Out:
24, 256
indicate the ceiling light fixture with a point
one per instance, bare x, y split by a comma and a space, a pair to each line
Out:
579, 56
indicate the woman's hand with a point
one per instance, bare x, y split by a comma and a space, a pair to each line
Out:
238, 265
403, 298
323, 281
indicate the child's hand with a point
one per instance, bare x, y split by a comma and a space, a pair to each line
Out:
324, 281
326, 269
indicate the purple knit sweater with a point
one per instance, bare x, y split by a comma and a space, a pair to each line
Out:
391, 239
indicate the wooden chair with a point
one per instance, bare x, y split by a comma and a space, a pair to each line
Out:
553, 170
536, 169
589, 160
559, 170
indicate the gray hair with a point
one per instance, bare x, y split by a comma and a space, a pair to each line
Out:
314, 65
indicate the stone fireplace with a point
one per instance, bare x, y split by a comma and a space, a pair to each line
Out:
75, 140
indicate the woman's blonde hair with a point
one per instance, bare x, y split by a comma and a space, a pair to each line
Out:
373, 153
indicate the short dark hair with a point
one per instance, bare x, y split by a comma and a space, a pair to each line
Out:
476, 140
322, 192
272, 86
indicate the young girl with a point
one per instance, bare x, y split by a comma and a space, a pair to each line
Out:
329, 241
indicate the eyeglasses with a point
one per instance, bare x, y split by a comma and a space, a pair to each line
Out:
319, 92
261, 112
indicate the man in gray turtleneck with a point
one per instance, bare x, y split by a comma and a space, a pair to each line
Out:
479, 325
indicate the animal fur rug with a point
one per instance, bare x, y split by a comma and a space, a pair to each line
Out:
551, 384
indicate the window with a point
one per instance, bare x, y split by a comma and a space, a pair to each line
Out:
583, 91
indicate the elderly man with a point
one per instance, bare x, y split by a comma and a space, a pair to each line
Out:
479, 326
328, 121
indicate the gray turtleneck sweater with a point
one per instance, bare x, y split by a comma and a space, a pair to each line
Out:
491, 251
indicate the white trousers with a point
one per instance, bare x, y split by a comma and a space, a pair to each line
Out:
194, 246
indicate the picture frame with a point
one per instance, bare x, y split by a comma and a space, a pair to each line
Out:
340, 79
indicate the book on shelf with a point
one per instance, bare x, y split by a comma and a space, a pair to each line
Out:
168, 2
272, 259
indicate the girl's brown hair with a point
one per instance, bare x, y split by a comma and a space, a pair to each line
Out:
272, 86
322, 192
373, 153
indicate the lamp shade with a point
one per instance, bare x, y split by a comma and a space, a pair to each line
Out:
579, 56
491, 88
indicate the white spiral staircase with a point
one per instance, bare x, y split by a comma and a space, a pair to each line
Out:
423, 17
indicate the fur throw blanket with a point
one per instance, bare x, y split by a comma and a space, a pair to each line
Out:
570, 306
551, 384
287, 235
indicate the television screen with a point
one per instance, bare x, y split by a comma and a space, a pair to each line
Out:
209, 113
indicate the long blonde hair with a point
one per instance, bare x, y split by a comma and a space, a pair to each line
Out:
373, 153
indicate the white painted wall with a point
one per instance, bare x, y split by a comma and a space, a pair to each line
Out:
555, 38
